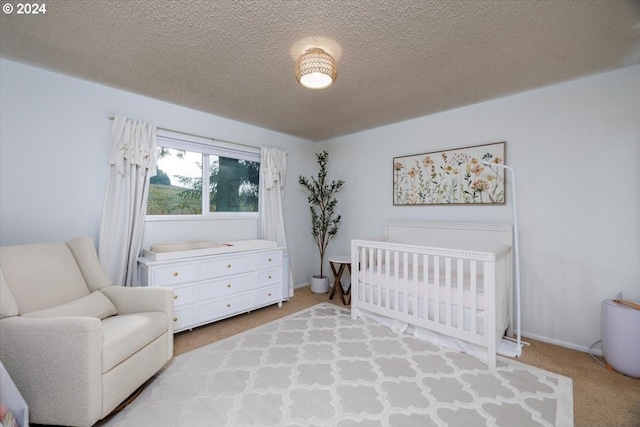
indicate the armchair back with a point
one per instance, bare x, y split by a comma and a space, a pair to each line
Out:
45, 275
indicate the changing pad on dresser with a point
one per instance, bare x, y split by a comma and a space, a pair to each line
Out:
190, 248
185, 245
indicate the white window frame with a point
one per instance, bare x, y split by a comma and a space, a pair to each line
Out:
208, 146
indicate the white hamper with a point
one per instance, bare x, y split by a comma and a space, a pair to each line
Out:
621, 337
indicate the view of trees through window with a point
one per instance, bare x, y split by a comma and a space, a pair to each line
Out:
177, 189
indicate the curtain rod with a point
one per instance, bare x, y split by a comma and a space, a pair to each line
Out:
112, 116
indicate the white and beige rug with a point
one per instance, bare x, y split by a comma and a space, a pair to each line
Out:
318, 367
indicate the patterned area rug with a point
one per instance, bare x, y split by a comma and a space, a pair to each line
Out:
318, 367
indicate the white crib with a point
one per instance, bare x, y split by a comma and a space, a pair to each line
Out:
449, 280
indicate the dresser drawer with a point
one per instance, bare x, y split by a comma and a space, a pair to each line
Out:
269, 259
225, 306
184, 318
226, 287
226, 266
184, 295
267, 277
173, 274
269, 294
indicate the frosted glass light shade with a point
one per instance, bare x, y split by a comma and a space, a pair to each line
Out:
316, 69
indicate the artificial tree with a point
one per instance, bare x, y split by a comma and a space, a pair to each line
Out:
322, 204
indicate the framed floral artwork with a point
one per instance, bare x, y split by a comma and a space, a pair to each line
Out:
463, 176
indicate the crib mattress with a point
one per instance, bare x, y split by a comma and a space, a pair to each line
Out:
412, 286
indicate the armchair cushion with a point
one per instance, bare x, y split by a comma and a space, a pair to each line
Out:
124, 335
84, 251
96, 304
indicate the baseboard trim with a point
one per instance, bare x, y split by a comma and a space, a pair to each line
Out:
302, 285
572, 346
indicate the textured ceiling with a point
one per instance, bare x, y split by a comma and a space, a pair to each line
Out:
396, 59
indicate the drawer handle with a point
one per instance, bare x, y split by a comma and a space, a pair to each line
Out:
228, 305
175, 274
229, 285
175, 319
269, 259
175, 297
228, 265
269, 277
269, 293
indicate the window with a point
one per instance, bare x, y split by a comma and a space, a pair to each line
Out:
199, 176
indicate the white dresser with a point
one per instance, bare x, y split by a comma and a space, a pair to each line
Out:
213, 287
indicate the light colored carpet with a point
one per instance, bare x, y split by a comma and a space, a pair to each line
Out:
319, 367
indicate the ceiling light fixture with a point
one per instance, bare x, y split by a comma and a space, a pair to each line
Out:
316, 69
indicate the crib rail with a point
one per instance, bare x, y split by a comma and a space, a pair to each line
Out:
464, 294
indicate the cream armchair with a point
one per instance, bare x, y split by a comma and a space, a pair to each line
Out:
74, 345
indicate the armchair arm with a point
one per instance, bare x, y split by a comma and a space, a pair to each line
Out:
137, 300
55, 363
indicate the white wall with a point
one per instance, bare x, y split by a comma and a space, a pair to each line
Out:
54, 145
575, 148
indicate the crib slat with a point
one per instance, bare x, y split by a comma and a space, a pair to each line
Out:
379, 277
413, 295
500, 302
355, 272
436, 289
447, 293
365, 278
387, 267
396, 276
368, 274
405, 276
362, 256
425, 285
460, 274
369, 289
474, 296
378, 289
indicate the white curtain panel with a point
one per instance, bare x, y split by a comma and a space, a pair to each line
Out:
132, 162
273, 166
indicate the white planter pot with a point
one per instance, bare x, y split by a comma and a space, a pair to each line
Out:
319, 284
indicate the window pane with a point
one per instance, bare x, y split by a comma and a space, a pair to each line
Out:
177, 188
234, 185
